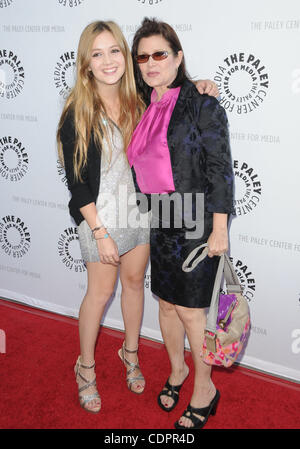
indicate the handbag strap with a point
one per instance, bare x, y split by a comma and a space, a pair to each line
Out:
225, 266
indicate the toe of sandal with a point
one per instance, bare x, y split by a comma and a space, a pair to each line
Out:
172, 391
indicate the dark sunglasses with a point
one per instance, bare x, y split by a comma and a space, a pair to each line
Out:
157, 56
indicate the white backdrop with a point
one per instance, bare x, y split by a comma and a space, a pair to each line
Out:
251, 50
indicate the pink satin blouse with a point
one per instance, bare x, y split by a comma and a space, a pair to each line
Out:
148, 151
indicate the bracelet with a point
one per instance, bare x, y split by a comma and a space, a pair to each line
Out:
96, 229
104, 237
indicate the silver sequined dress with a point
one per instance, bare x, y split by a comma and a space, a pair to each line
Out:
116, 203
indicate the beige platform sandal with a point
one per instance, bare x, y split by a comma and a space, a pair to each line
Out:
86, 398
133, 367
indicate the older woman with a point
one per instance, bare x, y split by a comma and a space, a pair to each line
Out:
181, 147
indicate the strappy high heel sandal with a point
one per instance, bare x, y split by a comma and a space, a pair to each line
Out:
191, 413
86, 398
172, 391
133, 367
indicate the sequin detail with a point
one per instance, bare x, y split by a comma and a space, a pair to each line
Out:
116, 203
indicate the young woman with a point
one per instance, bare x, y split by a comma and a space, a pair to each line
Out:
95, 127
181, 146
94, 131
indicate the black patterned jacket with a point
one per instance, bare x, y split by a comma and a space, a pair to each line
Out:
198, 141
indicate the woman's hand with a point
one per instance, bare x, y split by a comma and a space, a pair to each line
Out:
107, 247
217, 243
218, 239
108, 251
207, 87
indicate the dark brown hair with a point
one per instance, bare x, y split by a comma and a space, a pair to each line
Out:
152, 27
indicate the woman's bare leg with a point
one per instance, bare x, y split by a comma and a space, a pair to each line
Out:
194, 321
101, 282
173, 335
132, 272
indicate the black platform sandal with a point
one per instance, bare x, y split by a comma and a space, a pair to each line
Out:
171, 391
190, 413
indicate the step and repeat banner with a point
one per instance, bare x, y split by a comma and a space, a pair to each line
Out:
251, 50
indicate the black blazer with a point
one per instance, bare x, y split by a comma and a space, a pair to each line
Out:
198, 141
84, 192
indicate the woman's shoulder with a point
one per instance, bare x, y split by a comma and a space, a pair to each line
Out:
190, 96
204, 107
190, 90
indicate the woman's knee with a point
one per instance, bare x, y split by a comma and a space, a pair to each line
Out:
191, 316
133, 281
100, 297
166, 308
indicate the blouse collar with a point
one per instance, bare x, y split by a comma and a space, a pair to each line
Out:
171, 93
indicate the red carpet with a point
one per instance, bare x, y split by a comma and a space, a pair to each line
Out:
38, 388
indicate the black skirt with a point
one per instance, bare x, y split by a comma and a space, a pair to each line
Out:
168, 250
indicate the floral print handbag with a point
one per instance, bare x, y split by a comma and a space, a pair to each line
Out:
228, 320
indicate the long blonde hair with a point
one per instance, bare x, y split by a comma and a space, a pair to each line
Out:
85, 102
